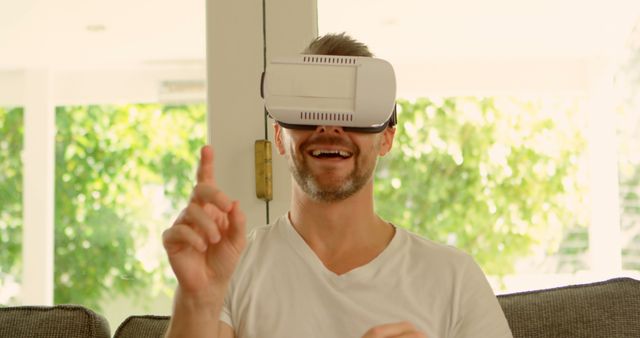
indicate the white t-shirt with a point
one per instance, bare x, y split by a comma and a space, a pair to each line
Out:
281, 289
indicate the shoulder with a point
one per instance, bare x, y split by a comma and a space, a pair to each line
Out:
263, 234
263, 239
435, 263
425, 249
260, 232
448, 270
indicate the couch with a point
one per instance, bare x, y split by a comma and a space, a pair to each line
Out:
604, 309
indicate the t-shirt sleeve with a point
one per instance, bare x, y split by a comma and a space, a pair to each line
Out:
479, 309
225, 314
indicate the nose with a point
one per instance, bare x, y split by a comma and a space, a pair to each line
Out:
330, 129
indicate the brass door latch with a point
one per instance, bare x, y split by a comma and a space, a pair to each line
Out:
264, 175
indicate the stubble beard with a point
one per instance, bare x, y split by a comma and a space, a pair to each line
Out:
335, 191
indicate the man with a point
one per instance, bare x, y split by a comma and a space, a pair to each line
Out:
330, 267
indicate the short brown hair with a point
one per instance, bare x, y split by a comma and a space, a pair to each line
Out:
337, 44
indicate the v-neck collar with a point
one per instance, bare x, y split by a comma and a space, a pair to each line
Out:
366, 271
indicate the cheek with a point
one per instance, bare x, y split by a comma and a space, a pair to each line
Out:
368, 152
289, 148
372, 146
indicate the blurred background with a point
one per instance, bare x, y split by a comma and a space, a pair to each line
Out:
518, 138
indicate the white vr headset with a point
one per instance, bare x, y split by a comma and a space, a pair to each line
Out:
356, 93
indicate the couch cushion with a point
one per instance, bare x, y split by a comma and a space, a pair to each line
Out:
604, 309
143, 327
60, 321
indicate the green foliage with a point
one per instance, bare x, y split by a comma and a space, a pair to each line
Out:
492, 181
628, 79
11, 143
109, 159
464, 171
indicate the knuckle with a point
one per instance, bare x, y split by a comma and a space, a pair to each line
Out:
218, 195
194, 191
180, 217
171, 235
166, 235
190, 209
198, 189
174, 230
374, 332
208, 192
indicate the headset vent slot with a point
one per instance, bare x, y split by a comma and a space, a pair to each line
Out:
318, 116
330, 60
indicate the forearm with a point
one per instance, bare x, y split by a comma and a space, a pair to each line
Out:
196, 315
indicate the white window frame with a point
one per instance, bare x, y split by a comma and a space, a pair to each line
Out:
235, 62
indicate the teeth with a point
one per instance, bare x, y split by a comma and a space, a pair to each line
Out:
331, 152
325, 152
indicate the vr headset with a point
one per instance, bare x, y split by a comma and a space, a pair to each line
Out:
355, 93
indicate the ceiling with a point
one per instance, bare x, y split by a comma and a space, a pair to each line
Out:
155, 33
487, 29
100, 33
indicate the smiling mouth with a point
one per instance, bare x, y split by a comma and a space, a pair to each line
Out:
330, 154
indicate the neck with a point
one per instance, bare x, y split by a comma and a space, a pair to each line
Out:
336, 230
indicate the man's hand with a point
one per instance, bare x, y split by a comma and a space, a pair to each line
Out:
394, 330
206, 240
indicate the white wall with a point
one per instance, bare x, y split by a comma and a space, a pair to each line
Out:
235, 64
12, 88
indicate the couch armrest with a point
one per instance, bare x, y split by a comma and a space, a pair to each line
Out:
60, 321
143, 327
604, 309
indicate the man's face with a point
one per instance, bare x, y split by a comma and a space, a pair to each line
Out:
330, 164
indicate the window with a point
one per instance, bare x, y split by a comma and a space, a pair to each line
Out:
122, 174
629, 172
506, 146
500, 178
102, 172
11, 145
629, 153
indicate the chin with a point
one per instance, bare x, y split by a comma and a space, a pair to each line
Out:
331, 185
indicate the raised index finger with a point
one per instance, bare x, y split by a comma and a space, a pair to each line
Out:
205, 172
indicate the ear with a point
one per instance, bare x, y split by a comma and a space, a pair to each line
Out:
387, 140
278, 138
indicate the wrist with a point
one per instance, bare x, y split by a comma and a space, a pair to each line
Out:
208, 299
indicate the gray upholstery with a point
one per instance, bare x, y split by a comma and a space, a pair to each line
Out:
608, 309
143, 327
61, 321
605, 309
